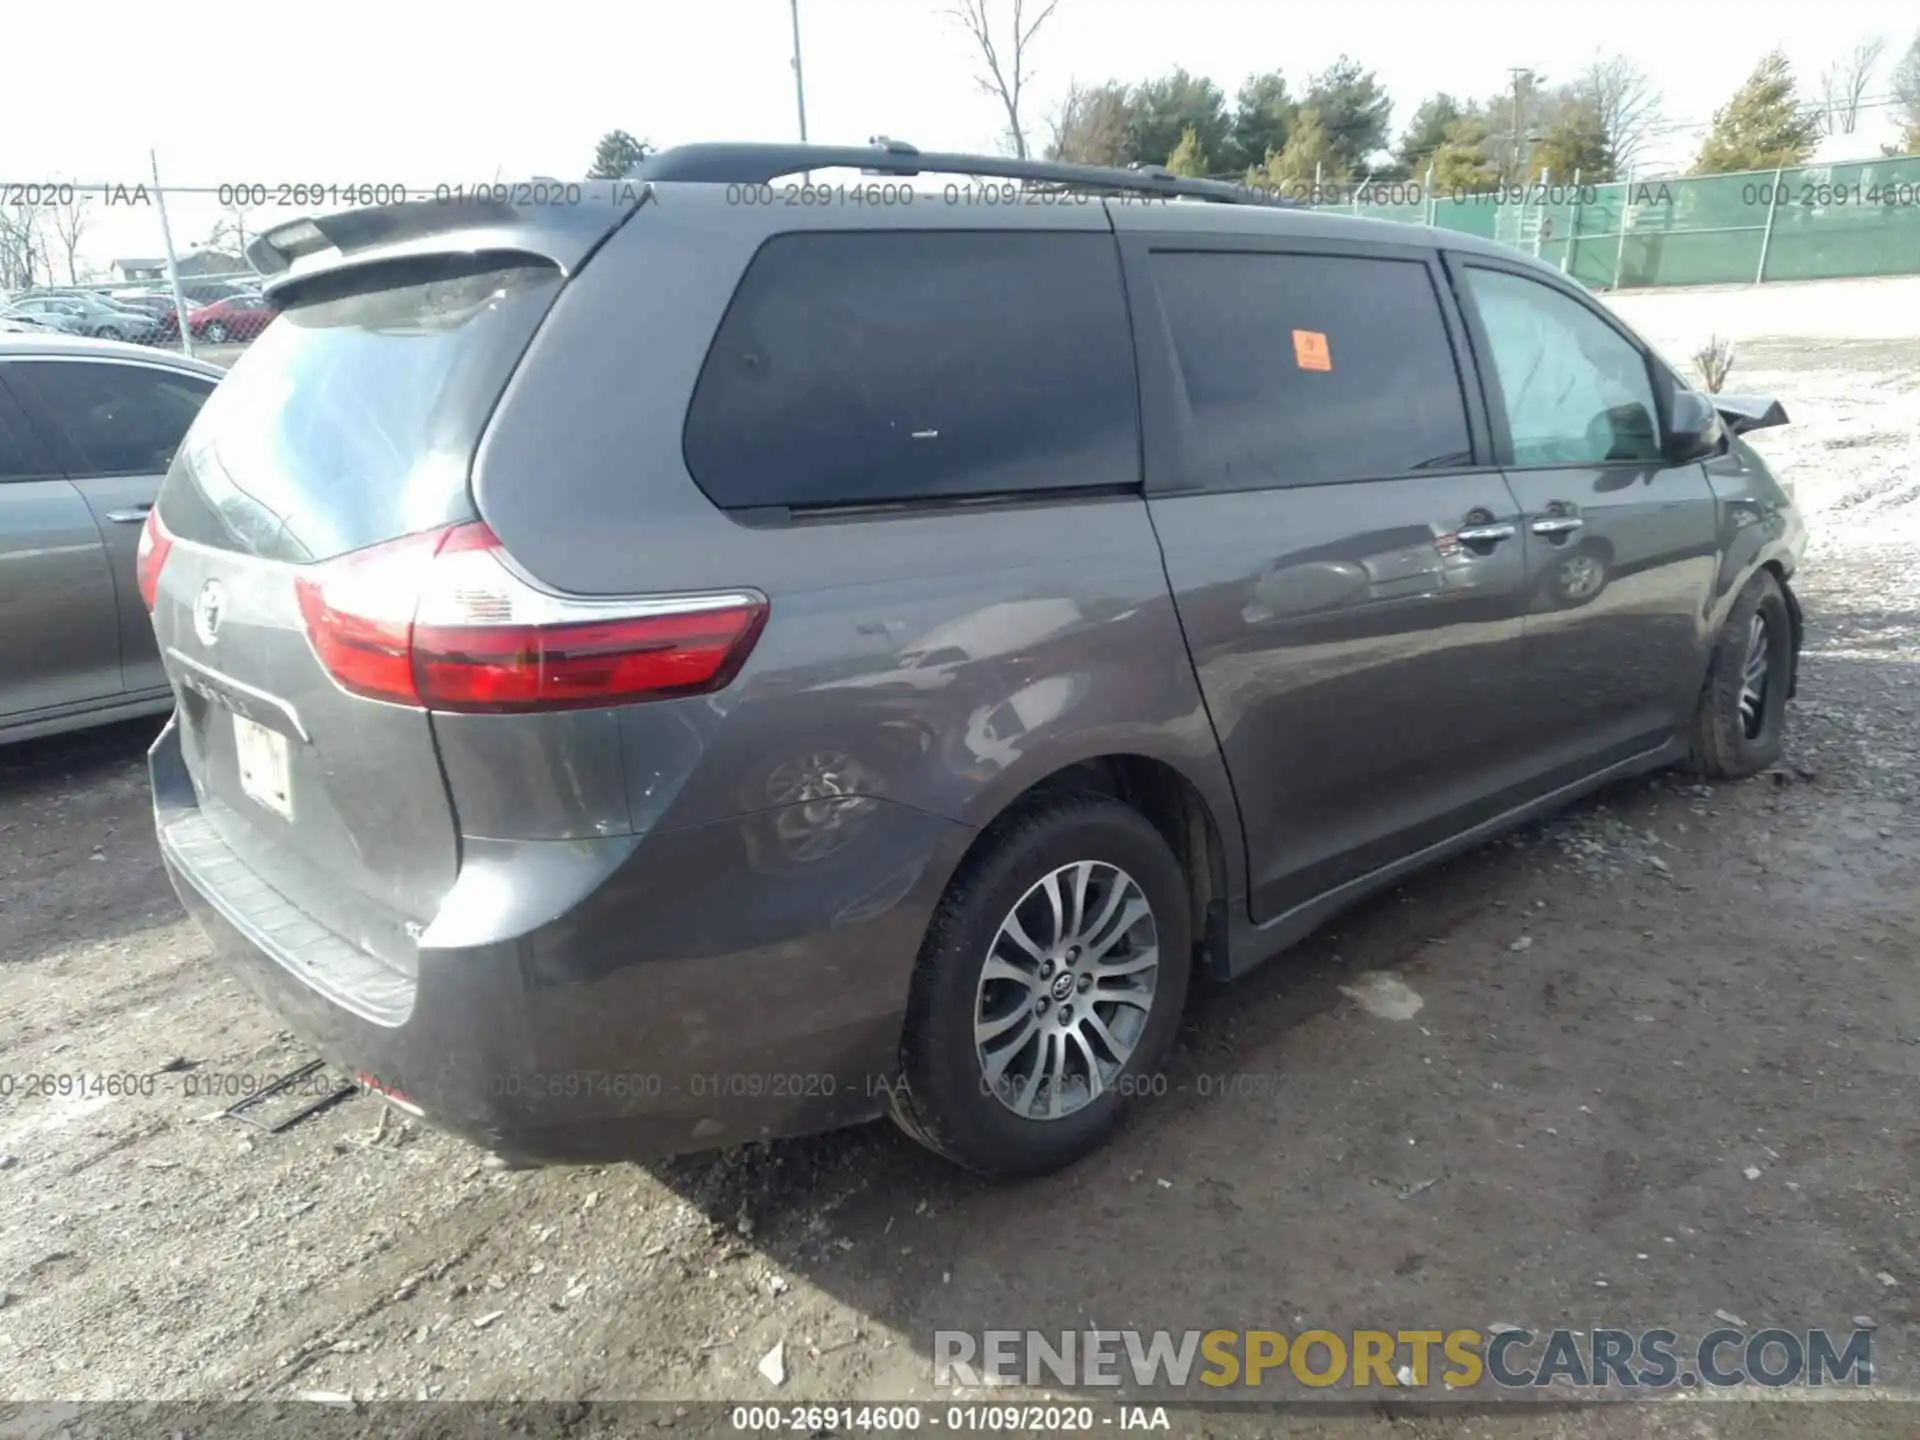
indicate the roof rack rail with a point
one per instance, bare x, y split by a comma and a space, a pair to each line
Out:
750, 164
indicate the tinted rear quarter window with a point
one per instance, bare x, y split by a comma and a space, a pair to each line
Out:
1309, 369
871, 368
113, 419
354, 417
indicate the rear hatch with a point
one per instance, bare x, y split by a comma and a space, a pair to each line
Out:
349, 424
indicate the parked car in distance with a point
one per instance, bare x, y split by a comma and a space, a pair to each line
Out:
87, 428
236, 318
152, 303
884, 688
59, 322
90, 315
39, 324
205, 292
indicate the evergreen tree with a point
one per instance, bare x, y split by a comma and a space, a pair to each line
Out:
1189, 157
1262, 116
1427, 132
1163, 110
616, 155
1575, 143
1311, 153
1464, 164
1762, 126
1354, 110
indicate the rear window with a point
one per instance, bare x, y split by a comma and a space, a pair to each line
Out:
874, 368
354, 417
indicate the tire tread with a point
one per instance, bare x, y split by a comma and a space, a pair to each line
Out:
913, 1105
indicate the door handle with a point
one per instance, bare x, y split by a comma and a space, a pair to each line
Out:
1557, 525
1483, 534
132, 515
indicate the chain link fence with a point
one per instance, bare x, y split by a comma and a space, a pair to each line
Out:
1794, 223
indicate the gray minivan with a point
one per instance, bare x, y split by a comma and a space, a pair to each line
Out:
735, 655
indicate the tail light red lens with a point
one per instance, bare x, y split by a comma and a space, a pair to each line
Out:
439, 620
150, 557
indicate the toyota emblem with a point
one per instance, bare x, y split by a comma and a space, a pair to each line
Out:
209, 607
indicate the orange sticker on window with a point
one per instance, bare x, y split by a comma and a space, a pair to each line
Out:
1310, 350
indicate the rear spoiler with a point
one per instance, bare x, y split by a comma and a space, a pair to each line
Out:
1750, 412
560, 222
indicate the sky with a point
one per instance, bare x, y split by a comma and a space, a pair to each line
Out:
424, 92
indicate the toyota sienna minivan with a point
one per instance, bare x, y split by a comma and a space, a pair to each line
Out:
732, 656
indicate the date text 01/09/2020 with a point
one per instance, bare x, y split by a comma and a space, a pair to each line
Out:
981, 1416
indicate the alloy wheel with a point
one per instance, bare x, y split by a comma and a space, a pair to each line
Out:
1580, 577
1753, 678
1066, 990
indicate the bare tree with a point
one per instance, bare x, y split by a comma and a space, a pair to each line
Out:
1089, 127
69, 219
1627, 103
23, 254
1845, 84
1714, 360
1005, 74
1906, 93
229, 231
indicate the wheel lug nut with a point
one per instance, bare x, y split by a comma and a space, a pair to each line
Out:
1074, 953
1040, 1006
1066, 1013
1085, 981
1046, 969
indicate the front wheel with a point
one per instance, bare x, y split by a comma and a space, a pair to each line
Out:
1740, 726
1048, 990
1579, 577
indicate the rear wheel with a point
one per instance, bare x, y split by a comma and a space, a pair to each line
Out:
1740, 726
1048, 990
216, 333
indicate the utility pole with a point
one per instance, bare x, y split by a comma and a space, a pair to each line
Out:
799, 89
173, 263
1517, 71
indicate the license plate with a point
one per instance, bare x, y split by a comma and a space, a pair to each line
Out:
264, 772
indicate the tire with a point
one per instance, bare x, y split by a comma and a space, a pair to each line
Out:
1734, 735
216, 334
105, 332
1000, 1126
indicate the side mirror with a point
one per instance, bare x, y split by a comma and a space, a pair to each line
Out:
1695, 431
1750, 412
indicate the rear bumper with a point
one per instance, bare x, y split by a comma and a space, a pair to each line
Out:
695, 988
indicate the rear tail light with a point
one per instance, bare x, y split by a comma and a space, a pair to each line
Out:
150, 557
439, 620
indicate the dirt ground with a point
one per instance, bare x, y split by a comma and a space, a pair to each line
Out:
1666, 1064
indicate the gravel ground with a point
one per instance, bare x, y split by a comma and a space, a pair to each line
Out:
1666, 1063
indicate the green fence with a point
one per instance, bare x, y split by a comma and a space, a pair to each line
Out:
1807, 223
